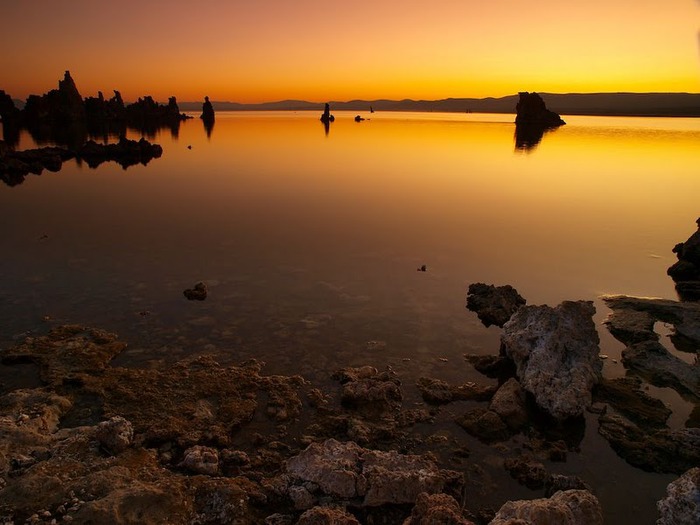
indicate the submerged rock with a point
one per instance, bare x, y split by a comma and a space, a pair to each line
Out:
438, 392
509, 402
570, 507
626, 396
632, 322
658, 451
526, 471
196, 293
681, 506
493, 305
484, 424
555, 351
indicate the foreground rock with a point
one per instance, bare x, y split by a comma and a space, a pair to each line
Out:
686, 272
197, 293
632, 322
493, 305
571, 507
347, 471
555, 351
681, 506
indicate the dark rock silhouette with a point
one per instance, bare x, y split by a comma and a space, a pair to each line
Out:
358, 118
207, 110
327, 117
15, 165
62, 116
686, 271
208, 117
532, 120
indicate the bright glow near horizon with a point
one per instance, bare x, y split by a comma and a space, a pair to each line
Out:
273, 49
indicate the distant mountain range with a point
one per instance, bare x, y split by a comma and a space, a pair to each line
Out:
622, 104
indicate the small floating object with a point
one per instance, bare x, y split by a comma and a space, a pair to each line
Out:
603, 356
423, 268
189, 147
358, 118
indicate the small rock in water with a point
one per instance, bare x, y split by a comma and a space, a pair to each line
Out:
198, 293
423, 268
603, 356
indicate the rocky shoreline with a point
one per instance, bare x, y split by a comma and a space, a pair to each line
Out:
200, 443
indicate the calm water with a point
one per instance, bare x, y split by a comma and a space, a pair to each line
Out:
309, 243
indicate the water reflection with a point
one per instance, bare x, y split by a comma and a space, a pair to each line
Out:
208, 124
528, 137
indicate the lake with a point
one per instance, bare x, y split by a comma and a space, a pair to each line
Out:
310, 240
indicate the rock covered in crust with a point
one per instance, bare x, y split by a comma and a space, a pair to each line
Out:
327, 516
681, 506
436, 509
493, 305
510, 404
555, 351
201, 460
115, 435
570, 507
348, 471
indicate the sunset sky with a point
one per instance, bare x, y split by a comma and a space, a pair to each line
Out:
265, 50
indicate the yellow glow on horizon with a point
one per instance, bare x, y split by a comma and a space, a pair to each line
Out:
271, 50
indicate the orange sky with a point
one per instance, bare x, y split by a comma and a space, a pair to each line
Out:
264, 50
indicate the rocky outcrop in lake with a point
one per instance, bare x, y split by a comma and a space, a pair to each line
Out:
207, 110
493, 305
686, 272
533, 119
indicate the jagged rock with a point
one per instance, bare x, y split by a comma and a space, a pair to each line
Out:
201, 460
626, 396
570, 507
484, 424
327, 516
369, 391
59, 106
436, 509
15, 165
348, 471
681, 506
660, 451
555, 351
197, 293
115, 435
301, 497
532, 111
207, 110
438, 392
493, 305
632, 322
509, 403
526, 471
686, 272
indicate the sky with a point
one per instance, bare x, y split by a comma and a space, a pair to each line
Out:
268, 50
